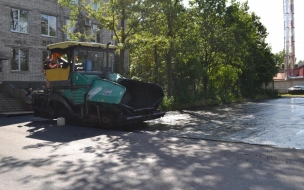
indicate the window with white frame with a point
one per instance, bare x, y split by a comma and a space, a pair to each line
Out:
48, 25
95, 33
70, 29
19, 20
95, 6
20, 60
112, 35
74, 2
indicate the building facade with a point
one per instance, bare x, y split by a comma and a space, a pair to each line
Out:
26, 28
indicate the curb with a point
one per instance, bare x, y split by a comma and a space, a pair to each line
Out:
17, 113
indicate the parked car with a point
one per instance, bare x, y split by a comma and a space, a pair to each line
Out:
296, 90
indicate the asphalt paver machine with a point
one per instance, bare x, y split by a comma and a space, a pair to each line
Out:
83, 87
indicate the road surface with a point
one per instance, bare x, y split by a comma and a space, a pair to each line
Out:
167, 154
277, 122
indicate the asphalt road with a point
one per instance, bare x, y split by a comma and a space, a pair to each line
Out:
276, 122
166, 154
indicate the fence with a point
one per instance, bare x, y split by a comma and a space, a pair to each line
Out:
283, 85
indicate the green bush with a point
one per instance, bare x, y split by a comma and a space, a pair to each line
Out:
167, 103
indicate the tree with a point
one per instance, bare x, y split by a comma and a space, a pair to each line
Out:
171, 10
259, 65
279, 58
212, 38
78, 16
120, 16
158, 31
148, 45
210, 50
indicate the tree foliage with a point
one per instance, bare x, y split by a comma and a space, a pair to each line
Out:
210, 51
279, 58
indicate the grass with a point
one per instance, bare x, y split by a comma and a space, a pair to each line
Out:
292, 95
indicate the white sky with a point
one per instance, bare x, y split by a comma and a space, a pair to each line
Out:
272, 17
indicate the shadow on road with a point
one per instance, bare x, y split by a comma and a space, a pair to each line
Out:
4, 121
77, 157
49, 131
137, 161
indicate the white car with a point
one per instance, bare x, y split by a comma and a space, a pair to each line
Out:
296, 90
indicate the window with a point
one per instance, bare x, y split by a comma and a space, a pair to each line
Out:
95, 33
19, 20
76, 2
70, 29
95, 6
48, 25
44, 55
20, 60
112, 34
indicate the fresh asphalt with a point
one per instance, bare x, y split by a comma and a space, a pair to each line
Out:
276, 122
212, 148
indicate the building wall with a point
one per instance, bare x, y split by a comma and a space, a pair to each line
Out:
301, 71
33, 40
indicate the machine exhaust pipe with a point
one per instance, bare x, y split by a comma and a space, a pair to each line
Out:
106, 71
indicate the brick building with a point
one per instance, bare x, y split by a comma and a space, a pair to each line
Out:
26, 28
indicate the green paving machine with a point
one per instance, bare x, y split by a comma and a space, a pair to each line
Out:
83, 87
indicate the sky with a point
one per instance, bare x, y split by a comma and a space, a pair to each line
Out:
272, 17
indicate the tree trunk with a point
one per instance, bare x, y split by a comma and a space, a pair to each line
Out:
169, 56
156, 79
205, 83
122, 62
169, 72
122, 51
